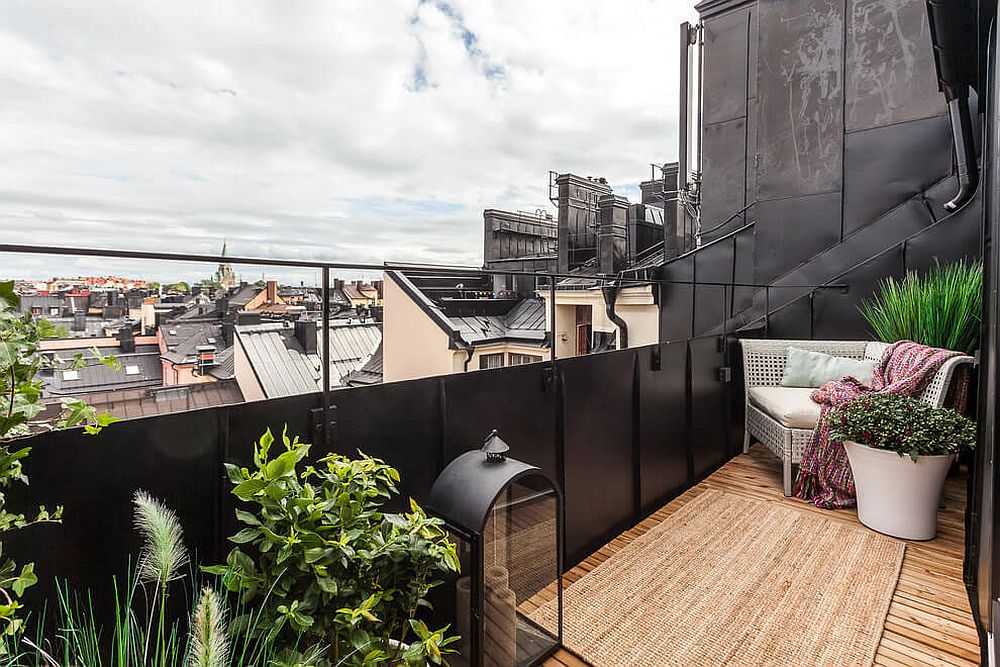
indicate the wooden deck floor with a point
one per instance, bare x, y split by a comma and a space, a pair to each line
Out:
929, 621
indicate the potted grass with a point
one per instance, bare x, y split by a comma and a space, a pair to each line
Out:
900, 450
941, 307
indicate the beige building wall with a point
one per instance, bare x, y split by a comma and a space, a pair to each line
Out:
413, 346
635, 305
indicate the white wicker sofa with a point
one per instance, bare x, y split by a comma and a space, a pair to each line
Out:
783, 418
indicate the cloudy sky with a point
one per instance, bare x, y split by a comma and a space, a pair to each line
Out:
354, 130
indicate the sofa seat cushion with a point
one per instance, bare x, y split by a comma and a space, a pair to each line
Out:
789, 406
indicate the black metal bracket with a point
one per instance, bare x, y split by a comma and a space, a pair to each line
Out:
316, 425
656, 360
549, 377
725, 374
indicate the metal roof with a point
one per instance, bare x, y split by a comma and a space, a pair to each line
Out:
225, 364
139, 369
525, 321
369, 373
183, 338
284, 369
132, 403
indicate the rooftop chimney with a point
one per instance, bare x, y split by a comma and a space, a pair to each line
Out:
577, 219
612, 234
247, 317
126, 340
228, 328
305, 332
79, 320
272, 291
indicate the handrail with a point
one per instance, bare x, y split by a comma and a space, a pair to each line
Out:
728, 220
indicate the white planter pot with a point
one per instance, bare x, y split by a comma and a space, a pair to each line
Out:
896, 495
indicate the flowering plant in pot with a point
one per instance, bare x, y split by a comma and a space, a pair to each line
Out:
900, 449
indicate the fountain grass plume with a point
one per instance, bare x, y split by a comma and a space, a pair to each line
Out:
163, 553
207, 642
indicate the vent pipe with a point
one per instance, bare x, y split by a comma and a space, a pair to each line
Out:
954, 29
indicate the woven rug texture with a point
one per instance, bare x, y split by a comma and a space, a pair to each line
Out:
732, 580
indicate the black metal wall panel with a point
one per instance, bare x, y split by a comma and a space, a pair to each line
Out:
714, 264
598, 422
173, 457
949, 241
399, 422
725, 80
663, 452
520, 402
243, 424
793, 320
837, 316
677, 300
735, 395
724, 160
247, 421
890, 64
745, 243
708, 406
943, 192
790, 231
916, 154
800, 97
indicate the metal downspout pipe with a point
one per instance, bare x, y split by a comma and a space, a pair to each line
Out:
610, 292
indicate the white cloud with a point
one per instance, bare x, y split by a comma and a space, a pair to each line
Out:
351, 130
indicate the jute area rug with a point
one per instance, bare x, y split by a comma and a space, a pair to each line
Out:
731, 580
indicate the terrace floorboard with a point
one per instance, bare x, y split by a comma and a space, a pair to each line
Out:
929, 620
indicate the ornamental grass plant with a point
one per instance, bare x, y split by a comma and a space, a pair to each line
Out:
940, 308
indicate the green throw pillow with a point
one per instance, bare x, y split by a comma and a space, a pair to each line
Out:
814, 369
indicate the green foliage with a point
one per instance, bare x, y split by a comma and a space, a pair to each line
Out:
905, 425
178, 287
47, 329
21, 410
941, 308
142, 634
339, 571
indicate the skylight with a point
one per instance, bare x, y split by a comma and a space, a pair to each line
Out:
131, 370
71, 375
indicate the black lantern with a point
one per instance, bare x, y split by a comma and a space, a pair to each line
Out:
506, 517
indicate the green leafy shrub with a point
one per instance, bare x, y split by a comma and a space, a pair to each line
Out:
21, 410
941, 308
339, 571
905, 425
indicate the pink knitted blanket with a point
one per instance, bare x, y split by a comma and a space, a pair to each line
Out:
906, 368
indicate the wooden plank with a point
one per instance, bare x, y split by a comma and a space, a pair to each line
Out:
929, 621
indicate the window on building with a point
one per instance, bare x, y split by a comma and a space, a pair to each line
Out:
516, 359
70, 375
36, 311
584, 327
604, 341
488, 361
54, 311
132, 370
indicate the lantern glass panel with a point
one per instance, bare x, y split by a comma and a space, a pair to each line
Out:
521, 573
